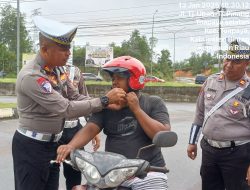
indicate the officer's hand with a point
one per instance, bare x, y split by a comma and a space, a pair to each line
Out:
118, 106
116, 95
192, 151
63, 151
96, 142
248, 176
133, 101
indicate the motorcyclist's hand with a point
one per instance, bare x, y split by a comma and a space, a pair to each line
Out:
133, 101
96, 142
116, 95
62, 152
192, 151
248, 176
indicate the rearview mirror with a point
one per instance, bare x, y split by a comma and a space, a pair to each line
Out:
165, 139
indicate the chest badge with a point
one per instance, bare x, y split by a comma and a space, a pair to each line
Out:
236, 104
242, 82
63, 76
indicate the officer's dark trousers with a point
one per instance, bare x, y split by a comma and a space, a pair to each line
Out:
224, 168
32, 168
72, 176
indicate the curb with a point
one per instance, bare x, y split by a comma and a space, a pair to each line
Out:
8, 113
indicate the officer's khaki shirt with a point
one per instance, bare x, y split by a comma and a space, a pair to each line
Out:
232, 120
78, 82
41, 108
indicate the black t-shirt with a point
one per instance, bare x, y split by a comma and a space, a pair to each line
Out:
125, 135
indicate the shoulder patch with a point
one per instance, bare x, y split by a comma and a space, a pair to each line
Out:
44, 85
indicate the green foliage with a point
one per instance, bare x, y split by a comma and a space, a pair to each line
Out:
8, 30
6, 58
105, 83
8, 80
8, 105
117, 50
79, 56
164, 65
8, 39
137, 46
197, 63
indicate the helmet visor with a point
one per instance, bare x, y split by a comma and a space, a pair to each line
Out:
122, 72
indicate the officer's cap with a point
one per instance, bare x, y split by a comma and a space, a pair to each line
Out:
238, 50
55, 31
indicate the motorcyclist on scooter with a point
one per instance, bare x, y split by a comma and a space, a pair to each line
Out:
131, 126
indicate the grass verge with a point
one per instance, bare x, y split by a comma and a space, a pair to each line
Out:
7, 105
170, 83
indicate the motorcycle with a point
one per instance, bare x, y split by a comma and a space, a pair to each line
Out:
106, 170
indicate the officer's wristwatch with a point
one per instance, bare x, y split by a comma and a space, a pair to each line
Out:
104, 101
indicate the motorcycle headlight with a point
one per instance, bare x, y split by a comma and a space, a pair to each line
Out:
90, 172
117, 176
81, 164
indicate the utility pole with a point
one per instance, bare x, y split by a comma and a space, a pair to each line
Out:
18, 38
35, 31
152, 42
220, 9
174, 33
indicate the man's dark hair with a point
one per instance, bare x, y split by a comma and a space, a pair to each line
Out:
43, 41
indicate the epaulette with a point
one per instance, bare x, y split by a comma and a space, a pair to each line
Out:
219, 76
215, 75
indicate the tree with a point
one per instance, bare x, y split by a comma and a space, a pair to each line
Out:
137, 46
8, 30
199, 62
164, 66
79, 56
117, 50
6, 57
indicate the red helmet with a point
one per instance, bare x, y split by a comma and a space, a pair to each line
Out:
131, 65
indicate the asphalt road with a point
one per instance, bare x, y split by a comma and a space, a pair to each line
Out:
184, 173
8, 99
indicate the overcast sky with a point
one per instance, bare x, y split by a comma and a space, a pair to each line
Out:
193, 23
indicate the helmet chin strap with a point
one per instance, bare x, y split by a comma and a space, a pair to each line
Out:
132, 90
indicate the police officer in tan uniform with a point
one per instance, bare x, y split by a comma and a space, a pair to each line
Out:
73, 125
42, 109
223, 116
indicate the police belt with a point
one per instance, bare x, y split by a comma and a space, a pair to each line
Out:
224, 144
71, 124
46, 137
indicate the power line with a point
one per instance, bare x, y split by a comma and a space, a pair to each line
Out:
117, 9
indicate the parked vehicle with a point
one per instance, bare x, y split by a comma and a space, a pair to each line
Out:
109, 170
200, 79
3, 74
91, 76
153, 79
